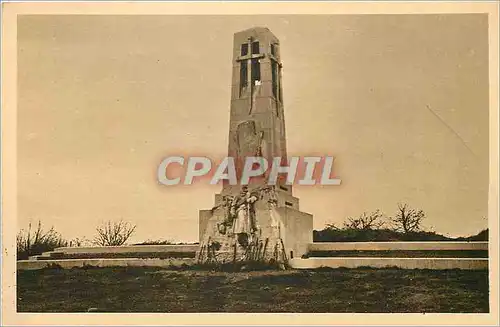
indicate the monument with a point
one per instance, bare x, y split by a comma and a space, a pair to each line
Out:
255, 222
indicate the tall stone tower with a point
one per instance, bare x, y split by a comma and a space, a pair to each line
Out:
260, 222
257, 120
257, 123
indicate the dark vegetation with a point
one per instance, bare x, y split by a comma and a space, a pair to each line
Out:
329, 234
146, 289
33, 241
405, 225
481, 236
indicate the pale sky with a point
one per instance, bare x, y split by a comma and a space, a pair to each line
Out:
103, 99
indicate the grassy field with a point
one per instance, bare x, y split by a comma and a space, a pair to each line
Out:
329, 290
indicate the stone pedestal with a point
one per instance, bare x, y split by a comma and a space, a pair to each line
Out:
281, 232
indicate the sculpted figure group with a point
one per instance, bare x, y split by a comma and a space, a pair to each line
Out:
240, 214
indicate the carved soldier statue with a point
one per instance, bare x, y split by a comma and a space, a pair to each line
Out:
243, 211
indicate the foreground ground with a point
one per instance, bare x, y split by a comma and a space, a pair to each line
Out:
330, 290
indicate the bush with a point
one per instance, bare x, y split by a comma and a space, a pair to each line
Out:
34, 242
481, 236
113, 233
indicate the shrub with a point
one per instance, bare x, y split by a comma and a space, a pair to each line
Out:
481, 236
34, 242
113, 233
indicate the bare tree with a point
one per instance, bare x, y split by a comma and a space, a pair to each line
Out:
408, 220
113, 233
365, 221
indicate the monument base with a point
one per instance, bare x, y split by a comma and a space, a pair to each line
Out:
272, 233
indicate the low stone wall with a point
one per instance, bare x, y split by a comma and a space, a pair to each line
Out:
113, 255
400, 254
130, 249
78, 263
397, 246
311, 263
162, 256
404, 263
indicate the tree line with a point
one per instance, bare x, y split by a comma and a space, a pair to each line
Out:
405, 225
406, 220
